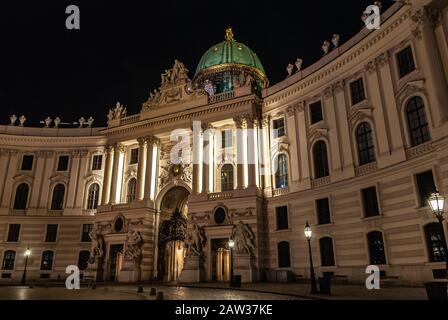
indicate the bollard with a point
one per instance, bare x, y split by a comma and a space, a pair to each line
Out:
47, 285
94, 286
159, 295
31, 286
153, 292
140, 289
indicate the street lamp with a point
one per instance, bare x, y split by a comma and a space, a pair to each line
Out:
27, 254
308, 235
437, 203
231, 245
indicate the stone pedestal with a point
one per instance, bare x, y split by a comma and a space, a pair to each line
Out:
94, 271
192, 271
242, 266
129, 272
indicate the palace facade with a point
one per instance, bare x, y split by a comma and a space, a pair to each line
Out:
354, 144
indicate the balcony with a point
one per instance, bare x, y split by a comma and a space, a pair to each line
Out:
320, 182
365, 169
221, 97
280, 192
220, 195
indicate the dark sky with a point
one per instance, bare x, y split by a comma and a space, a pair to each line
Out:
123, 46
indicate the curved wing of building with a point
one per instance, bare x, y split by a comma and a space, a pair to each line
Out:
354, 145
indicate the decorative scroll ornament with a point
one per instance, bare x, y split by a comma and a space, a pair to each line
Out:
175, 172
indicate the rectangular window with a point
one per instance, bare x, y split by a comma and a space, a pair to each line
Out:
63, 163
323, 211
9, 258
282, 218
134, 156
426, 186
86, 228
52, 232
405, 60
316, 112
279, 128
13, 233
27, 162
370, 202
357, 91
226, 138
97, 162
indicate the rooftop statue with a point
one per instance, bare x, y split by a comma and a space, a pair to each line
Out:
117, 113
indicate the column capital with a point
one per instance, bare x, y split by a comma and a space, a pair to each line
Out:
240, 121
118, 147
427, 14
339, 86
142, 141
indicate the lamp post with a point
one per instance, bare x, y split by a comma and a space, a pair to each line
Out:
437, 203
27, 254
231, 245
308, 235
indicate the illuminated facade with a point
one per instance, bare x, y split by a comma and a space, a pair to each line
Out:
353, 144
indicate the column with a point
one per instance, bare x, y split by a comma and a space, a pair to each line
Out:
197, 159
341, 107
430, 63
251, 152
4, 159
142, 161
37, 184
381, 129
390, 104
208, 156
239, 124
151, 168
303, 144
48, 172
80, 188
73, 174
333, 134
12, 168
115, 191
266, 154
105, 199
293, 150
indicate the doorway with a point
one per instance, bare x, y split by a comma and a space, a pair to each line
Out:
115, 252
220, 260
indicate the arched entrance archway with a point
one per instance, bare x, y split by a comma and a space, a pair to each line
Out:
173, 222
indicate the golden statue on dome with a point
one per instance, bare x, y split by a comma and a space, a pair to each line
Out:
229, 34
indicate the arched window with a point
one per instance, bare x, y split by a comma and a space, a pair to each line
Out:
320, 160
8, 260
326, 252
21, 198
57, 202
132, 190
434, 241
364, 140
227, 177
281, 175
417, 124
47, 260
284, 258
93, 196
376, 247
83, 259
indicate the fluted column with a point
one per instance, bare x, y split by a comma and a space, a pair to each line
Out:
116, 172
265, 163
142, 161
208, 157
239, 124
105, 199
151, 167
251, 151
197, 159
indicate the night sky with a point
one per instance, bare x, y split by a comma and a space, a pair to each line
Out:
123, 46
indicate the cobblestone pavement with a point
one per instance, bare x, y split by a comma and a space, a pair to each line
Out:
128, 292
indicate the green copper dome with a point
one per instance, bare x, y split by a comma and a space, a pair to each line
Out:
230, 53
228, 65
